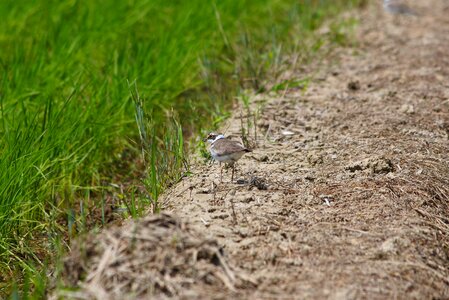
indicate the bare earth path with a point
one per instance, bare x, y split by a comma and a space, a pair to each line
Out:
346, 193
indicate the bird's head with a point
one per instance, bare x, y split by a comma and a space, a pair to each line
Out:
212, 137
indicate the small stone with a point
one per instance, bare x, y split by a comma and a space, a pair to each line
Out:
243, 232
407, 109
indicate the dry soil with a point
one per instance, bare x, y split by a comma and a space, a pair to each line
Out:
345, 195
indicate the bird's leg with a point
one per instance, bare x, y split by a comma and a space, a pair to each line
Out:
232, 176
221, 173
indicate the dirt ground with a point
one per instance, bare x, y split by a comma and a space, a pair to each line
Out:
345, 195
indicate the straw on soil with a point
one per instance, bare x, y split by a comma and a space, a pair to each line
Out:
160, 255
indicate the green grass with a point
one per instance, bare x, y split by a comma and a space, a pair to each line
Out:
83, 81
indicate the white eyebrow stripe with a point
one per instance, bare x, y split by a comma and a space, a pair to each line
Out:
219, 137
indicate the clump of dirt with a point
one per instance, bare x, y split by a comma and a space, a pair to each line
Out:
354, 85
374, 165
159, 256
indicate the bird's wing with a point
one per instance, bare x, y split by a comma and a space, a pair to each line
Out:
227, 147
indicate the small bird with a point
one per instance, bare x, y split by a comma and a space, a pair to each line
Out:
397, 8
225, 150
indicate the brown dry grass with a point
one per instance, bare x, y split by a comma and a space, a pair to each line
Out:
159, 255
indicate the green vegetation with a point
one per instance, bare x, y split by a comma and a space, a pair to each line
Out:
75, 76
